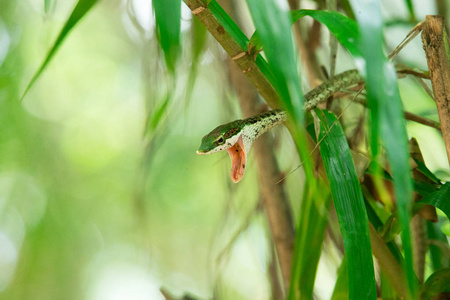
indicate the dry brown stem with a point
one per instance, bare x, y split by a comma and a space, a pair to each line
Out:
273, 195
436, 46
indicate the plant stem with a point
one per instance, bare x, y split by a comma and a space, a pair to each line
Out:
436, 46
240, 56
273, 195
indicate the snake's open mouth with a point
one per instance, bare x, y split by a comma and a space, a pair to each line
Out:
238, 160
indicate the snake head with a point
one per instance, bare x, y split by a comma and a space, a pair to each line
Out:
221, 138
227, 137
213, 142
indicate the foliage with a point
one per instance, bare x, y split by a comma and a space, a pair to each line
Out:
92, 185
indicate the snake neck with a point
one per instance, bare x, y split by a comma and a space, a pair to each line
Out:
257, 125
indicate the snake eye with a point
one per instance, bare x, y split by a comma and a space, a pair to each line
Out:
220, 140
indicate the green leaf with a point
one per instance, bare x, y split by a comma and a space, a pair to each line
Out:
409, 5
349, 204
168, 22
437, 283
239, 37
313, 221
155, 117
344, 28
340, 291
386, 118
378, 225
47, 4
198, 32
82, 7
439, 259
439, 199
387, 291
274, 29
425, 171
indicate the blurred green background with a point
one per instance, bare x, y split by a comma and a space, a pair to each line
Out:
93, 206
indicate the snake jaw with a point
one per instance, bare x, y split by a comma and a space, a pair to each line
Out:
238, 158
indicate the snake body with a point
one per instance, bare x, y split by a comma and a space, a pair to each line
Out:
238, 136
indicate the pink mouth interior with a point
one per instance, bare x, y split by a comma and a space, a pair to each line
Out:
238, 160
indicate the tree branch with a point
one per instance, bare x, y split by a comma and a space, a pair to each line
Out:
275, 200
436, 46
240, 56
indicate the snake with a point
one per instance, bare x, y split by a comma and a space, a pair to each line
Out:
237, 137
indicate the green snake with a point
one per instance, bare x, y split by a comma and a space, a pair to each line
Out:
238, 136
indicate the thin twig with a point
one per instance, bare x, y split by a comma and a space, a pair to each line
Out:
332, 5
412, 71
425, 86
408, 116
409, 37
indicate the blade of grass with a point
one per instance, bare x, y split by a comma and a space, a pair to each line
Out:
82, 7
349, 204
168, 21
387, 118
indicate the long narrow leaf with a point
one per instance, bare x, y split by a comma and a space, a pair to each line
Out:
274, 29
82, 7
386, 118
349, 203
239, 37
409, 5
47, 4
344, 28
198, 44
313, 221
439, 199
438, 257
340, 291
168, 21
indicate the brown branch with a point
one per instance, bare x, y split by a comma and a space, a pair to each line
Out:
240, 56
436, 45
408, 115
405, 70
276, 286
273, 195
308, 58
